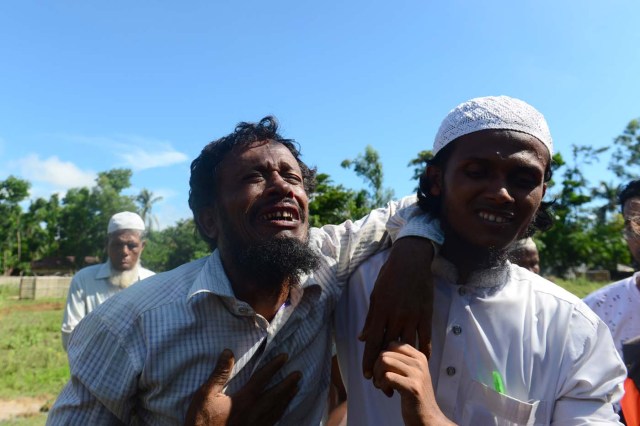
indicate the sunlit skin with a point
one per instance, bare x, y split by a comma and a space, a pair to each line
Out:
491, 188
263, 197
124, 249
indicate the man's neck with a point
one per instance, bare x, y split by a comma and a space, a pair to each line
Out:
265, 298
468, 259
265, 302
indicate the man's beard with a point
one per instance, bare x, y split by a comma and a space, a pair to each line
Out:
276, 260
272, 261
123, 279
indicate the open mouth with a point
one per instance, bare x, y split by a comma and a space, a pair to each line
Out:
496, 217
281, 215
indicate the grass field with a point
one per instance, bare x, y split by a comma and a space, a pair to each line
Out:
33, 362
35, 365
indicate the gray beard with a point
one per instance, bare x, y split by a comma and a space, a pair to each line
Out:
124, 279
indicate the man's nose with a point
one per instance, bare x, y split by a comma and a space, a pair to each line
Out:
280, 186
499, 191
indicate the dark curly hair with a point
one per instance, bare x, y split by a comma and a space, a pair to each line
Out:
630, 190
203, 188
542, 221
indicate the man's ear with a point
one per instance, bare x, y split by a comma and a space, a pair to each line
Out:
208, 222
434, 175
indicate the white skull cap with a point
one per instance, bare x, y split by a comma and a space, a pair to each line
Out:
524, 243
125, 220
492, 112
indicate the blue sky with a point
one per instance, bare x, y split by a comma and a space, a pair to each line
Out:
87, 86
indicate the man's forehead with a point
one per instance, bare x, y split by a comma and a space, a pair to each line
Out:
502, 144
124, 235
265, 152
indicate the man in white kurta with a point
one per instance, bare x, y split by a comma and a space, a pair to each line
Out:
93, 285
554, 355
508, 346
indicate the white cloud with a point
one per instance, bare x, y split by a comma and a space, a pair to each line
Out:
138, 153
160, 156
54, 172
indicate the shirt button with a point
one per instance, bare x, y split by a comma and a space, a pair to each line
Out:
457, 330
243, 310
462, 291
451, 371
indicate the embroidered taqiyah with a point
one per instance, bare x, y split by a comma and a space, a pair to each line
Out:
492, 112
125, 220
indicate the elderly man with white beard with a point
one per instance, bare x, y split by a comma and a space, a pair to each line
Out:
94, 284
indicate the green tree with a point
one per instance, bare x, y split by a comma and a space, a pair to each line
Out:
13, 191
582, 233
174, 246
369, 168
146, 199
334, 204
607, 192
626, 156
86, 212
42, 228
419, 165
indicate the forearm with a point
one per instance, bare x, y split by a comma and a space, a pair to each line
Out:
354, 242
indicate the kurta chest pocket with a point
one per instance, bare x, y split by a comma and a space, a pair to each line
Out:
484, 406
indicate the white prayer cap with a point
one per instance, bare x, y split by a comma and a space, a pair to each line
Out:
492, 112
125, 220
524, 243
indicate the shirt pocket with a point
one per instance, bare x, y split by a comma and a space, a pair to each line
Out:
485, 406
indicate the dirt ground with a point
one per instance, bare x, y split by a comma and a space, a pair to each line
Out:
46, 306
23, 406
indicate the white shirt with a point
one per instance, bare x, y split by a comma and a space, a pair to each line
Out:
89, 288
150, 347
554, 355
618, 304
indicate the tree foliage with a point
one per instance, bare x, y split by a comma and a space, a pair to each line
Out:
173, 246
12, 191
419, 164
369, 167
86, 213
583, 232
334, 204
146, 199
625, 159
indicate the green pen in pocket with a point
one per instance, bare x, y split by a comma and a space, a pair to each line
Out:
498, 384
